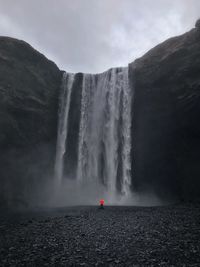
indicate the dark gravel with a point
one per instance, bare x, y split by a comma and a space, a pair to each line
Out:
115, 236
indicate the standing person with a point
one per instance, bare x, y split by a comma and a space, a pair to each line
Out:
101, 202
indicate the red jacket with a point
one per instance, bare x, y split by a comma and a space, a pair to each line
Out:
101, 201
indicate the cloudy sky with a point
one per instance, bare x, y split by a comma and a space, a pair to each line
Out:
94, 35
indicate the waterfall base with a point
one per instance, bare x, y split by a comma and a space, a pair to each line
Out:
99, 163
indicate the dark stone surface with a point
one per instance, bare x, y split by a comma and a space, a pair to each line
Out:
197, 25
29, 87
113, 236
166, 129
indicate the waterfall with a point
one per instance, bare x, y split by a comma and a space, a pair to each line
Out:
126, 133
104, 138
66, 88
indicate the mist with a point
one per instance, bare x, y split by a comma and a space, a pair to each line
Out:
73, 193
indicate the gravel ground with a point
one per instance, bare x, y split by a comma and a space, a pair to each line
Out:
115, 236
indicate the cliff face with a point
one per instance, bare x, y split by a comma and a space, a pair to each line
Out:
29, 87
165, 119
166, 114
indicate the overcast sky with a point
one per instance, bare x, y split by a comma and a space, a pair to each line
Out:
94, 35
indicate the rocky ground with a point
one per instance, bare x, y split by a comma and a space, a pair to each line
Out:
115, 236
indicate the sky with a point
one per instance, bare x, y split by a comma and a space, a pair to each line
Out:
94, 35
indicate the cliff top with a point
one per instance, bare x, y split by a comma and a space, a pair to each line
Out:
166, 59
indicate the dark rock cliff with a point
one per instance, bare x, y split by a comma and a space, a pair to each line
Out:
166, 111
29, 87
165, 120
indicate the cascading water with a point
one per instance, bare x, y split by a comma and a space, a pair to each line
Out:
66, 88
104, 140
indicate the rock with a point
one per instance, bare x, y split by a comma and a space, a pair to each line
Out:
29, 87
58, 247
109, 260
166, 135
197, 24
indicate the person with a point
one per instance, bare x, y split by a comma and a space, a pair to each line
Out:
101, 202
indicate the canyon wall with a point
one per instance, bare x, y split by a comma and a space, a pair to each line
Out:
29, 88
166, 115
165, 120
